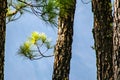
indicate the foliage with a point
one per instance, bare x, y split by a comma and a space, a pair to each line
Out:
33, 47
50, 12
43, 9
64, 6
15, 10
47, 10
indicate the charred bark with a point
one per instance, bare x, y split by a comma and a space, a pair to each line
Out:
103, 37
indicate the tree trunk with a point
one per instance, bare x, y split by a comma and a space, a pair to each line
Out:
116, 40
3, 6
103, 37
64, 43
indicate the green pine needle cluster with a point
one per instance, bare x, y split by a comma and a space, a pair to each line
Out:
47, 10
25, 50
15, 9
32, 47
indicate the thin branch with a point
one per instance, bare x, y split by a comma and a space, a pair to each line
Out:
40, 57
45, 51
31, 5
85, 2
42, 53
13, 19
34, 50
27, 11
11, 16
36, 58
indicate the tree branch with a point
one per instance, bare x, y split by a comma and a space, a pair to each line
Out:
85, 2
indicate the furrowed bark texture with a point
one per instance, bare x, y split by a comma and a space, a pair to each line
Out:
103, 37
116, 40
3, 6
64, 44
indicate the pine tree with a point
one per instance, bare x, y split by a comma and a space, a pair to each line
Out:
3, 7
63, 46
62, 52
103, 37
116, 40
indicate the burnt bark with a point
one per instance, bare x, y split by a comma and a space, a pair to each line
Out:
103, 38
116, 40
3, 6
64, 43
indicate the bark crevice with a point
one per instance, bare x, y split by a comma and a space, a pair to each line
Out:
103, 37
64, 44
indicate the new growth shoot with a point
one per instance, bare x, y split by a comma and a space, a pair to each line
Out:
36, 46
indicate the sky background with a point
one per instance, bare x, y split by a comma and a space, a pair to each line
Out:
83, 62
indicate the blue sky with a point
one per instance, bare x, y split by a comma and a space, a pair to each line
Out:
83, 62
